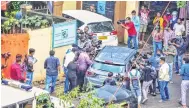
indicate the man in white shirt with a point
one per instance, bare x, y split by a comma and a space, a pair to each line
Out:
179, 28
164, 80
70, 55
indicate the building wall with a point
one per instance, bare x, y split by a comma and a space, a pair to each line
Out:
119, 13
69, 5
40, 40
130, 6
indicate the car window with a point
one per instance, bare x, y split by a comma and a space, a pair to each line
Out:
99, 27
108, 67
79, 23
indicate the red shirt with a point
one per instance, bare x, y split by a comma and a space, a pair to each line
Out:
131, 30
166, 20
16, 71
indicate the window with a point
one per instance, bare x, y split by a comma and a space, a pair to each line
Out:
108, 67
79, 23
99, 27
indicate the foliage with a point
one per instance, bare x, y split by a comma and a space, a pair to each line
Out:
7, 25
91, 101
43, 100
67, 98
11, 14
15, 5
181, 4
34, 22
112, 105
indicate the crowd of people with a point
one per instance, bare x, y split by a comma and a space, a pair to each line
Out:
149, 71
157, 67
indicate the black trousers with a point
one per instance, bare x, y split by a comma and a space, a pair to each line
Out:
73, 82
80, 79
153, 87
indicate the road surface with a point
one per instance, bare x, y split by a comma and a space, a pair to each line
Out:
174, 90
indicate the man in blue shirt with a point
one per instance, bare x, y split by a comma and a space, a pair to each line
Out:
136, 20
31, 60
181, 49
185, 81
52, 66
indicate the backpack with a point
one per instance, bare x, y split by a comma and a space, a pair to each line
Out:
110, 82
153, 73
134, 81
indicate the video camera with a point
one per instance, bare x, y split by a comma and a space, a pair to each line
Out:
121, 21
6, 55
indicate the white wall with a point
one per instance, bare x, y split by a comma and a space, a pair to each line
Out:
40, 40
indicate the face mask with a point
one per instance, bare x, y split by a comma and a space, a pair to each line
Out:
159, 55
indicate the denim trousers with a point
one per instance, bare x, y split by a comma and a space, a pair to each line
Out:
29, 76
164, 92
66, 83
156, 46
178, 62
134, 40
50, 83
170, 71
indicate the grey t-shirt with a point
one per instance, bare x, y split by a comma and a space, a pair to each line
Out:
170, 58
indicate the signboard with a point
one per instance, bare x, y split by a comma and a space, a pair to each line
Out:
101, 8
64, 34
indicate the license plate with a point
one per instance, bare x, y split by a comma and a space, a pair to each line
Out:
102, 37
102, 77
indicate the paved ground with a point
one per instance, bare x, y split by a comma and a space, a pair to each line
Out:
174, 90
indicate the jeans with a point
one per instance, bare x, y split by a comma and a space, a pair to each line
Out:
145, 88
156, 46
178, 63
80, 79
136, 91
184, 88
29, 76
164, 90
170, 71
137, 39
133, 38
66, 83
50, 83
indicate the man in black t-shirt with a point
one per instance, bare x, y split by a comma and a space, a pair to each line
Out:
109, 80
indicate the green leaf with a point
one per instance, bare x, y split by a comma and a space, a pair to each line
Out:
44, 22
37, 24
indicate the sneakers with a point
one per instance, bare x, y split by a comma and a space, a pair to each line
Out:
161, 101
144, 101
153, 94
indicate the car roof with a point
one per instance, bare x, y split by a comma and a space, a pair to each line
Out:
116, 54
86, 16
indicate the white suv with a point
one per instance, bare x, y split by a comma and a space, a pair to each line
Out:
99, 25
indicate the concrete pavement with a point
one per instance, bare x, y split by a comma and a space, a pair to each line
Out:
174, 90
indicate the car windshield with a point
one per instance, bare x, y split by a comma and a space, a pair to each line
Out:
99, 27
108, 67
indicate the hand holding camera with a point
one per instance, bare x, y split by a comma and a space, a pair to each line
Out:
6, 55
